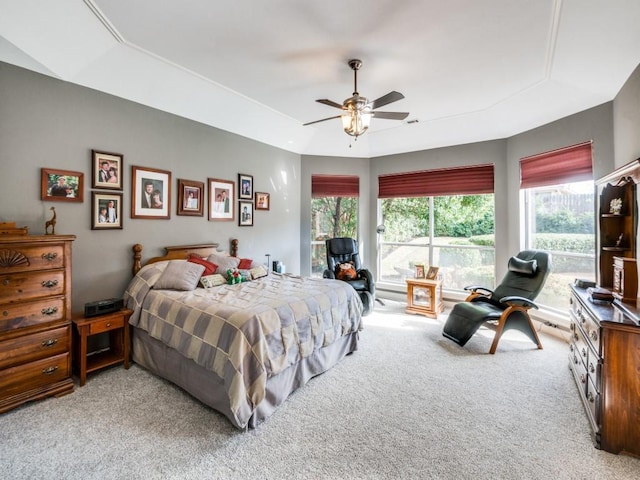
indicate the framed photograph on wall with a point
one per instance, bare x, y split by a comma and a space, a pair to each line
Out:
150, 193
263, 201
107, 170
106, 211
245, 214
61, 185
221, 196
190, 197
245, 186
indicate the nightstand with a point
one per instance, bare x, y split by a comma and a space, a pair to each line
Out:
424, 297
117, 326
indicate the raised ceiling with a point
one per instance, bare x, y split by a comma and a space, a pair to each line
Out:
470, 70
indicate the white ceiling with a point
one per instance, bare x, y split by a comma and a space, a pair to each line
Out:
470, 70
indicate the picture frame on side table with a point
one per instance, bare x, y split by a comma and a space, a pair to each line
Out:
61, 185
190, 197
245, 186
106, 211
263, 201
150, 193
432, 273
107, 170
221, 200
245, 214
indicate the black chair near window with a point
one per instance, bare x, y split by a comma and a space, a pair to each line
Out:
507, 306
342, 251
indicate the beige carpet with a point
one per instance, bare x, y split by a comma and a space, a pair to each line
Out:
409, 404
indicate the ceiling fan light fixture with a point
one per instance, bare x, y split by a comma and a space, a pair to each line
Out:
355, 123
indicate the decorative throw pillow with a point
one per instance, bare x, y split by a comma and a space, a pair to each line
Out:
179, 275
525, 267
208, 281
209, 268
245, 264
258, 272
224, 263
346, 271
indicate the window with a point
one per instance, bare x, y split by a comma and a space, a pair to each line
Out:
443, 218
455, 233
334, 213
558, 195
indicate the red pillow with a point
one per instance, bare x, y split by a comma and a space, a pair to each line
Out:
209, 268
245, 264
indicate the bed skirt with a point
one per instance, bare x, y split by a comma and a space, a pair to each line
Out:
208, 387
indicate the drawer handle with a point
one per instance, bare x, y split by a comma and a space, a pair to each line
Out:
5, 313
575, 359
108, 325
584, 352
50, 343
5, 281
583, 379
594, 335
575, 337
50, 370
590, 397
49, 256
50, 283
49, 310
571, 347
592, 369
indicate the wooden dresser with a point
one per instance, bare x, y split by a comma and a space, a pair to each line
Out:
35, 318
604, 358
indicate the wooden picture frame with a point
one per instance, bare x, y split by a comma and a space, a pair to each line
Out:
221, 200
61, 185
263, 201
245, 186
106, 211
245, 214
419, 270
190, 197
150, 193
432, 273
107, 170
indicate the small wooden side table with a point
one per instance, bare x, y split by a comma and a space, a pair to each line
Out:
117, 324
424, 297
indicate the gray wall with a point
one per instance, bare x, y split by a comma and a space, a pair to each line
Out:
48, 123
626, 120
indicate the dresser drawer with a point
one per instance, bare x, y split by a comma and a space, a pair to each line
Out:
35, 346
18, 315
111, 323
30, 285
19, 258
34, 374
593, 401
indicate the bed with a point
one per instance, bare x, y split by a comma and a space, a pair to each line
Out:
241, 349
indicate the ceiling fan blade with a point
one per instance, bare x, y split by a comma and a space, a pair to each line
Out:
391, 115
323, 120
386, 99
331, 103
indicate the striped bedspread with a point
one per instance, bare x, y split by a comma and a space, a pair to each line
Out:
246, 332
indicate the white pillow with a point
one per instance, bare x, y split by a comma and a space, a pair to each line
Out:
224, 262
258, 271
214, 280
180, 275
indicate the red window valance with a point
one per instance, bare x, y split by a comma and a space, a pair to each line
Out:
335, 186
471, 180
565, 165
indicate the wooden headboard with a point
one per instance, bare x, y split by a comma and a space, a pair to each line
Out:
180, 252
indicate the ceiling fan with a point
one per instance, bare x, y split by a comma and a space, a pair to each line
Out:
357, 111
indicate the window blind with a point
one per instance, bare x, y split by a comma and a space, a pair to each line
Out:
565, 165
335, 186
470, 180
